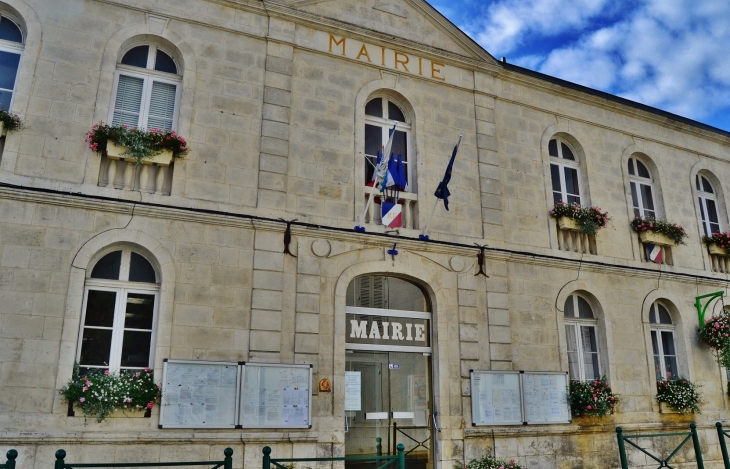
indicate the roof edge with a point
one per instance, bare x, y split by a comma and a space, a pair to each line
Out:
614, 98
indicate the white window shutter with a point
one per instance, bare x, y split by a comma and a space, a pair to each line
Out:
128, 102
162, 106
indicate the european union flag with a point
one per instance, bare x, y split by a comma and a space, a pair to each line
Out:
442, 191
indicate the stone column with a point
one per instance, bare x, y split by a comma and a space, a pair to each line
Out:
273, 159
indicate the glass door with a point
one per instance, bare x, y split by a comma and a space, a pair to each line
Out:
394, 390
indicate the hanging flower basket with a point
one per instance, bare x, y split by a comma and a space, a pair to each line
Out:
659, 232
102, 394
680, 394
139, 146
591, 398
715, 333
718, 243
574, 217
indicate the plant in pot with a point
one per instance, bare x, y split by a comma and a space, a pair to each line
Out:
139, 146
680, 394
658, 232
593, 398
489, 461
715, 333
718, 243
100, 393
574, 217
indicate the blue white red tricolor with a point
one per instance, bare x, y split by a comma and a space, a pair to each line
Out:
656, 254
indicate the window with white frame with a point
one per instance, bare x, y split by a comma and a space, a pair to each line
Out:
121, 298
642, 189
708, 205
381, 114
11, 50
581, 338
146, 89
564, 172
662, 342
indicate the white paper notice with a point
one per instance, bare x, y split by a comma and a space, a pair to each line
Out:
275, 396
199, 395
496, 398
546, 399
353, 386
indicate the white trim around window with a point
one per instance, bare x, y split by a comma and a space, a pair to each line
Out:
149, 77
12, 48
385, 124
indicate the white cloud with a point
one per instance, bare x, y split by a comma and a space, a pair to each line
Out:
665, 53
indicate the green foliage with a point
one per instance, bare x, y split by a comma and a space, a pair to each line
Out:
11, 120
591, 398
715, 333
99, 393
488, 462
680, 394
721, 239
671, 230
140, 143
589, 219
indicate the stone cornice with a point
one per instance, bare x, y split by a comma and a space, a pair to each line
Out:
80, 201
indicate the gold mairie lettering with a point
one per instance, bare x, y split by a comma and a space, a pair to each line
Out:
364, 51
382, 60
341, 42
435, 70
420, 66
401, 61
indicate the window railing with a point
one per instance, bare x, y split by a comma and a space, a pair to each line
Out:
408, 200
576, 241
122, 175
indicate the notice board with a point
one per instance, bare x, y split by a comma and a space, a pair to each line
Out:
496, 398
197, 394
519, 398
275, 396
546, 397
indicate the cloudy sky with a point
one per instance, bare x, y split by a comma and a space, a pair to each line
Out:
670, 54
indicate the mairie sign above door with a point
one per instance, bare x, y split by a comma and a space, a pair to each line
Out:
390, 330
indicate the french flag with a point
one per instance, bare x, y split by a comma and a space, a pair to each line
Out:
655, 252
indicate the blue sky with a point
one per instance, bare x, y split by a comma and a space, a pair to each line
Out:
670, 54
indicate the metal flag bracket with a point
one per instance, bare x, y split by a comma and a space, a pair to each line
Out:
702, 309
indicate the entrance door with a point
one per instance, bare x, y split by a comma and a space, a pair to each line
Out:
395, 406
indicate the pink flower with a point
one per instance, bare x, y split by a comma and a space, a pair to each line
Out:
106, 372
81, 399
128, 400
147, 369
588, 407
150, 405
85, 388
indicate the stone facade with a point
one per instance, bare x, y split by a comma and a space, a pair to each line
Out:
272, 100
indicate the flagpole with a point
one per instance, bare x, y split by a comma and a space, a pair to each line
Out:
360, 228
424, 236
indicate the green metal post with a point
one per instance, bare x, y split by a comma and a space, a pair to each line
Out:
267, 458
723, 445
228, 460
60, 455
701, 310
622, 448
401, 456
12, 456
378, 446
696, 443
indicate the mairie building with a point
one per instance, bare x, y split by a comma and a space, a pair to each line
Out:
243, 255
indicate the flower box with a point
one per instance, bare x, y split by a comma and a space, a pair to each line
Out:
665, 408
3, 130
656, 238
716, 250
568, 224
128, 413
114, 152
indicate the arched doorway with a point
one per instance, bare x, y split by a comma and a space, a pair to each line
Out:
388, 391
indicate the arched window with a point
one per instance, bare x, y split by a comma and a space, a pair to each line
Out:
119, 313
662, 342
582, 340
381, 113
708, 205
11, 50
381, 292
564, 172
146, 89
642, 189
